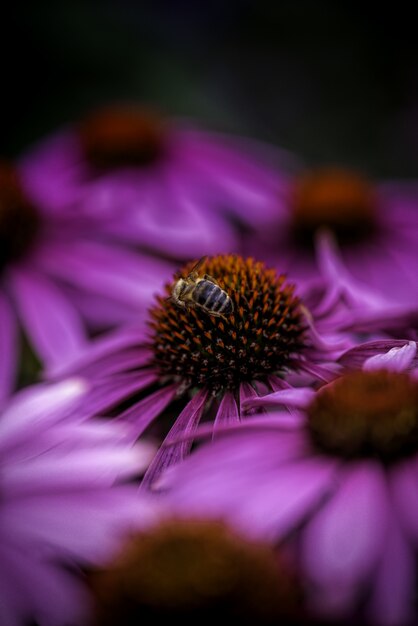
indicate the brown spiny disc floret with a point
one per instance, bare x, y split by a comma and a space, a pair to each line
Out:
259, 338
335, 199
19, 220
122, 136
194, 569
367, 414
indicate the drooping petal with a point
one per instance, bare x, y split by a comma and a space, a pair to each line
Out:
38, 408
9, 347
186, 424
109, 392
285, 497
109, 271
295, 397
393, 597
355, 357
48, 594
67, 470
396, 360
345, 538
227, 412
50, 321
403, 480
140, 416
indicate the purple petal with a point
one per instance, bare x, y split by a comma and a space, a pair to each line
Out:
108, 393
140, 416
48, 594
227, 412
355, 357
186, 423
283, 499
110, 271
106, 347
38, 408
344, 540
396, 360
297, 397
70, 470
393, 597
49, 319
85, 525
403, 480
9, 349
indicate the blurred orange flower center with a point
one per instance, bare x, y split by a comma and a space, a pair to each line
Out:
19, 220
336, 199
122, 136
366, 414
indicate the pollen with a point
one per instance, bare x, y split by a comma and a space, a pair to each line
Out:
367, 414
121, 136
19, 219
187, 569
259, 338
336, 199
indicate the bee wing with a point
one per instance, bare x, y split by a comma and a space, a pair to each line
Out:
195, 269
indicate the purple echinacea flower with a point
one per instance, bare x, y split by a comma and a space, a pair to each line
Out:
63, 502
56, 268
376, 226
336, 482
191, 366
161, 184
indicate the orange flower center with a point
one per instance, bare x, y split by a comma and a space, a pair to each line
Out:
367, 414
121, 137
336, 199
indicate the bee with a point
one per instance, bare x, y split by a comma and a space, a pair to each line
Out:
202, 292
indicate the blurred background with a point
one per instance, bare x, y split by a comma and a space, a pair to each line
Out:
334, 82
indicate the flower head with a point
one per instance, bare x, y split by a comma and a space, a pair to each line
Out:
63, 502
157, 182
337, 482
60, 276
374, 224
199, 365
186, 569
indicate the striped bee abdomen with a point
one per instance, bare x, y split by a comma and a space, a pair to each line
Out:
205, 291
212, 298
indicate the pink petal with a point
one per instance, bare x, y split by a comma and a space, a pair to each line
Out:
9, 349
355, 357
110, 271
109, 392
37, 408
140, 416
59, 470
393, 598
403, 481
345, 538
49, 319
295, 397
282, 500
396, 360
186, 423
48, 594
227, 412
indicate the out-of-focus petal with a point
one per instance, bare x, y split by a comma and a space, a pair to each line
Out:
50, 320
9, 349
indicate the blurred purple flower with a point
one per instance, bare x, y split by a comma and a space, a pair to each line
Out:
60, 505
376, 227
163, 185
337, 480
55, 269
208, 365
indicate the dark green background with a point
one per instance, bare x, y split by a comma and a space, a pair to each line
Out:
335, 82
